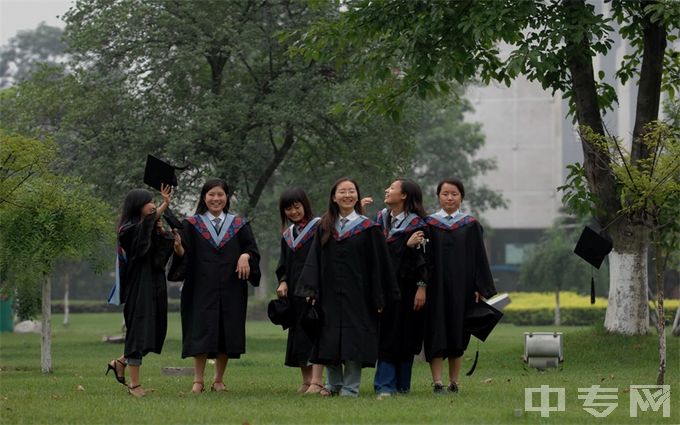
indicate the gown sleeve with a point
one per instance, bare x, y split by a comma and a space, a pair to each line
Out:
136, 241
309, 282
383, 281
248, 245
283, 260
178, 268
422, 265
483, 278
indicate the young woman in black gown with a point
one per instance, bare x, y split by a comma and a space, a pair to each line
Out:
348, 274
299, 228
144, 248
217, 258
460, 275
401, 324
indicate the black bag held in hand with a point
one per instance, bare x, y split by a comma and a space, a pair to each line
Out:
311, 321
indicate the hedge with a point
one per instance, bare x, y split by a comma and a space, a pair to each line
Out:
525, 308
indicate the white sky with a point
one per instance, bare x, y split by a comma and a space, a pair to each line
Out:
18, 15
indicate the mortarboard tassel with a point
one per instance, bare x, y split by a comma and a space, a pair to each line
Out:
474, 364
592, 287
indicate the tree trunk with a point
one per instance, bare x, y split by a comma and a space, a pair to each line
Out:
67, 284
627, 310
558, 318
649, 84
661, 321
46, 334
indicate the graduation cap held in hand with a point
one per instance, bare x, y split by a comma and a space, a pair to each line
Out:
593, 246
479, 320
280, 312
157, 172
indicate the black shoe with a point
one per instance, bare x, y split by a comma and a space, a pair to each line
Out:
438, 388
112, 367
453, 387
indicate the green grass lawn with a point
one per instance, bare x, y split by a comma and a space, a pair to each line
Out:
262, 390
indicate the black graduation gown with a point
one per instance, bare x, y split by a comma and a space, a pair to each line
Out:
213, 298
459, 267
351, 279
143, 286
291, 261
401, 328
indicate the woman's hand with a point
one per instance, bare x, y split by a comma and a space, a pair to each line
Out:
166, 194
419, 300
416, 239
179, 249
282, 290
242, 267
366, 201
478, 297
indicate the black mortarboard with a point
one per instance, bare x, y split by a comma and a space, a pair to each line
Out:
157, 172
593, 246
280, 312
480, 319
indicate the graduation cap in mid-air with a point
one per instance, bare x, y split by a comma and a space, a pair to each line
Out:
593, 246
479, 320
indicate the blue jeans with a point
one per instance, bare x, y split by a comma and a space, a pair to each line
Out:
392, 377
344, 382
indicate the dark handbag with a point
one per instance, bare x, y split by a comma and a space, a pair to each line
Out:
311, 321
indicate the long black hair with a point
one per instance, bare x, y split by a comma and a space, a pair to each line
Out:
201, 208
333, 212
289, 197
132, 206
414, 197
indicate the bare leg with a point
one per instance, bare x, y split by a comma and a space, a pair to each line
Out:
306, 372
436, 369
316, 382
120, 365
199, 370
134, 387
454, 369
220, 367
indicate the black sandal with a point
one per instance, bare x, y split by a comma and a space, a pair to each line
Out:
222, 390
202, 387
119, 378
131, 392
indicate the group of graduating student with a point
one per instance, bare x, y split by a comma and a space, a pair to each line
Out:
383, 287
